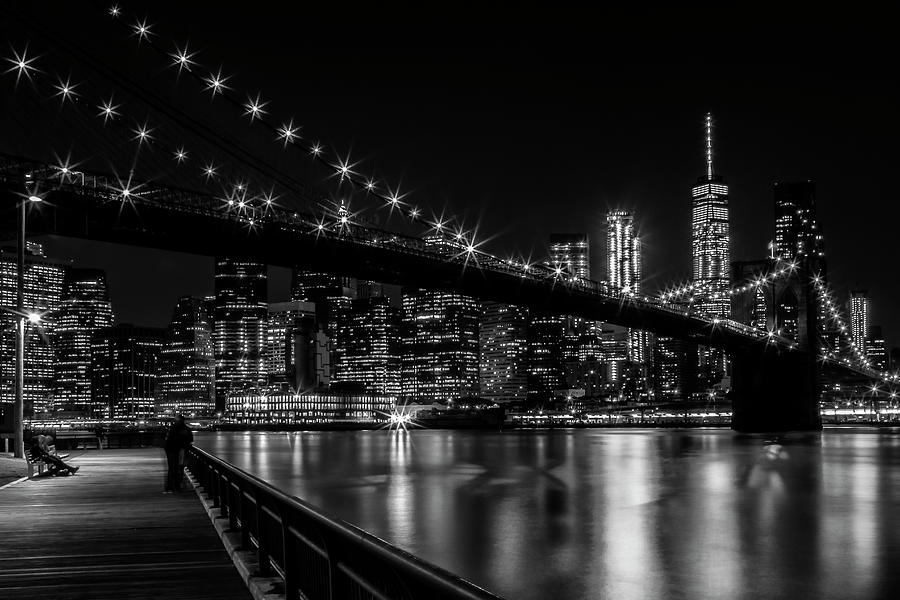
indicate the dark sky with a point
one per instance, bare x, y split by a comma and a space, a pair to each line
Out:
531, 119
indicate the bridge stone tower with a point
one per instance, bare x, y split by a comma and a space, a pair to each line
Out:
775, 389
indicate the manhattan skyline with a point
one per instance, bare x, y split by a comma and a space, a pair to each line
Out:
625, 133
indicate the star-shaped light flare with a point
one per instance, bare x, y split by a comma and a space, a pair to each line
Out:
21, 65
316, 149
142, 133
108, 110
255, 108
65, 89
181, 155
182, 58
344, 168
209, 171
288, 132
115, 11
142, 30
216, 83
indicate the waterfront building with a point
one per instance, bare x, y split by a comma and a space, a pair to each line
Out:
544, 358
289, 327
85, 309
124, 362
876, 349
43, 286
317, 408
239, 319
674, 372
370, 357
187, 368
503, 338
439, 345
859, 319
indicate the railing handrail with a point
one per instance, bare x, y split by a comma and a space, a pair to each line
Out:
451, 585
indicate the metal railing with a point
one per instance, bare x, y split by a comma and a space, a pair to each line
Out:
318, 557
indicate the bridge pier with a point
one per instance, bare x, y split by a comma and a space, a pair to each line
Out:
773, 390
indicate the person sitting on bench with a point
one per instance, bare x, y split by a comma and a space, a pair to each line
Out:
39, 452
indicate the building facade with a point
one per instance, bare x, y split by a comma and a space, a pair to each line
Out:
571, 252
369, 360
124, 363
503, 335
876, 349
239, 326
625, 271
43, 286
711, 237
439, 346
187, 368
859, 319
85, 309
309, 409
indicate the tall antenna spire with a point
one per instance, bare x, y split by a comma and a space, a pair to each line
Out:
709, 170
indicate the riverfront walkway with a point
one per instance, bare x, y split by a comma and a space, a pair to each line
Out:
110, 532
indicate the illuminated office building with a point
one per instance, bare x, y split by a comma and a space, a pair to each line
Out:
544, 358
503, 335
711, 237
187, 369
796, 231
330, 293
625, 270
85, 309
876, 349
859, 319
42, 294
124, 362
571, 251
369, 360
439, 341
674, 372
240, 320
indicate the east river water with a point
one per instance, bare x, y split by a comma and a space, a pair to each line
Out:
599, 513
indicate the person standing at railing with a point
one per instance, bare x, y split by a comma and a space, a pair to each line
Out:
178, 440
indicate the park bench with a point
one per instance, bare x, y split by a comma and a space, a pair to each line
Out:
35, 465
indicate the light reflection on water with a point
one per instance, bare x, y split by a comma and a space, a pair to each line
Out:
610, 513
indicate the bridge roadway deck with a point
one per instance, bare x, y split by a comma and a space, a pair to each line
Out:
110, 532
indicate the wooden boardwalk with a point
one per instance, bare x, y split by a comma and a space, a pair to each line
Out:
110, 532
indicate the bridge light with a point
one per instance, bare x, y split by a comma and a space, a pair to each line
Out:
34, 318
316, 150
35, 198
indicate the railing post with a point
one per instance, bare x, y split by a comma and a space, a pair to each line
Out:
289, 552
245, 528
262, 538
232, 513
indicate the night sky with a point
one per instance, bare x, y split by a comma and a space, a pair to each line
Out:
537, 119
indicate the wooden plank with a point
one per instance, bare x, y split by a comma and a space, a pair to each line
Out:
110, 532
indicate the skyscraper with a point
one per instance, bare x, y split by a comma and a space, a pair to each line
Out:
124, 362
503, 335
711, 237
240, 318
84, 310
623, 251
796, 230
625, 270
876, 350
546, 368
571, 251
439, 345
186, 374
369, 361
42, 294
859, 319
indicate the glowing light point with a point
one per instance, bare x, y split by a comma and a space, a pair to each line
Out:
255, 108
182, 58
288, 132
142, 30
209, 171
216, 83
316, 150
65, 89
21, 65
108, 110
370, 184
34, 318
181, 155
142, 134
